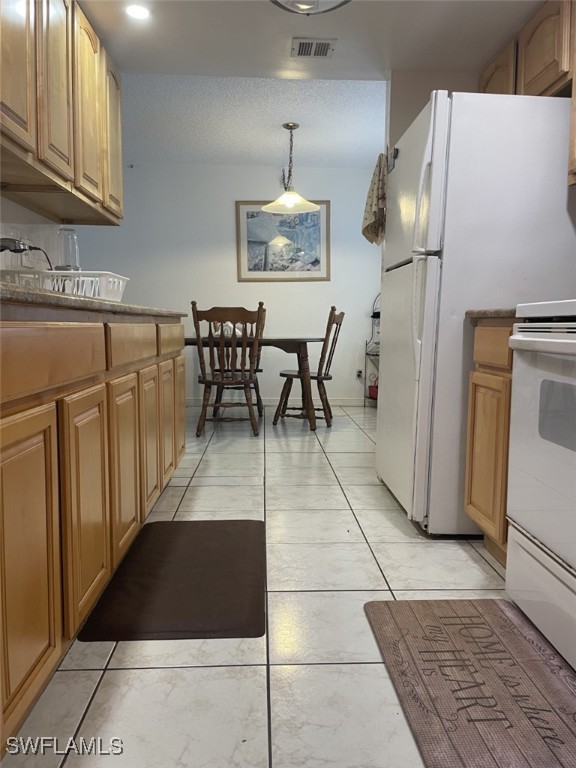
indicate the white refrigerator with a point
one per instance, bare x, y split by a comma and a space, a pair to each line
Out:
479, 216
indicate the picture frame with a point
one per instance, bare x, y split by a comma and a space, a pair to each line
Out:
277, 247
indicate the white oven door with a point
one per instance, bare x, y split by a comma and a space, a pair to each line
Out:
542, 461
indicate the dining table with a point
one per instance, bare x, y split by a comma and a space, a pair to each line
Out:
297, 345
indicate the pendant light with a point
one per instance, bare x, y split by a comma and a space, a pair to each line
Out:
309, 7
290, 201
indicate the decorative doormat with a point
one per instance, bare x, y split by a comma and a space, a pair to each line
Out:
479, 685
179, 580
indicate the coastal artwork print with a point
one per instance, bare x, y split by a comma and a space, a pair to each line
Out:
279, 247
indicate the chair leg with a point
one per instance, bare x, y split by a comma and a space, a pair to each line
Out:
218, 399
325, 404
259, 403
202, 419
288, 387
281, 402
249, 403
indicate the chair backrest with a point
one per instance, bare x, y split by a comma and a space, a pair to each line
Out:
330, 338
228, 340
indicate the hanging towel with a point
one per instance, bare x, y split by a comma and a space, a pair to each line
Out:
374, 221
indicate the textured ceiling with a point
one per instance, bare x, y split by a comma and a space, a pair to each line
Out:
238, 121
212, 81
252, 38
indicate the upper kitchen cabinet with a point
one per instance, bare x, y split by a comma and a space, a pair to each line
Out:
54, 70
60, 150
544, 50
113, 189
18, 79
88, 101
500, 75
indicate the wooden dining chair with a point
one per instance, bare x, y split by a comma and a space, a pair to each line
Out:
258, 369
322, 374
227, 359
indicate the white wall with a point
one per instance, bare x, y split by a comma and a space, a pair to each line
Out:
178, 243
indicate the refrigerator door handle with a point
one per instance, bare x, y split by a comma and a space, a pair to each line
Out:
416, 310
422, 185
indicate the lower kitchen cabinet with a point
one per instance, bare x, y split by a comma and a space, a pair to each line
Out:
85, 502
167, 411
149, 396
488, 425
30, 597
123, 420
180, 415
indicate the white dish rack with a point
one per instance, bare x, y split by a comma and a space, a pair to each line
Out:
95, 285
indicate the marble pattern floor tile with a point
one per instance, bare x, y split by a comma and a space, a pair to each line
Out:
169, 500
450, 594
310, 497
351, 460
228, 480
357, 476
370, 497
231, 464
293, 445
319, 567
177, 481
214, 497
159, 517
216, 652
221, 514
312, 526
435, 565
87, 655
480, 547
292, 460
385, 525
339, 716
322, 627
227, 445
210, 717
56, 714
299, 476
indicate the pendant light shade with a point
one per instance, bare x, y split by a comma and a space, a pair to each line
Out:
290, 201
309, 7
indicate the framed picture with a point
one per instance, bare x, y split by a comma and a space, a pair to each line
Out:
282, 247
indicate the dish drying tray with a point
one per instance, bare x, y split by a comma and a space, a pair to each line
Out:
95, 285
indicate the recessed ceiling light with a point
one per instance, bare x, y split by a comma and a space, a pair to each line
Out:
137, 11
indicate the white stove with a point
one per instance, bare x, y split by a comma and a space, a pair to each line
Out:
541, 508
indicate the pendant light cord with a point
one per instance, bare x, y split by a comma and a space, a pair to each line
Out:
287, 179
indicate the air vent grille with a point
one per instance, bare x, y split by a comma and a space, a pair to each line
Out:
311, 48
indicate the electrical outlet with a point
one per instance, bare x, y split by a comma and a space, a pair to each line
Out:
359, 374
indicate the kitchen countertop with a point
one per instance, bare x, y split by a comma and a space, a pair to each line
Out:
15, 299
479, 314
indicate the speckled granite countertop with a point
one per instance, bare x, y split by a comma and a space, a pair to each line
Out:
482, 313
17, 295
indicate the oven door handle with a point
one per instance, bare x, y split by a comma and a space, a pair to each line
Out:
552, 346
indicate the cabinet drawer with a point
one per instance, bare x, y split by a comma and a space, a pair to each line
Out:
491, 346
38, 356
170, 338
129, 342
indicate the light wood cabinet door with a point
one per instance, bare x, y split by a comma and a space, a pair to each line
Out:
500, 75
87, 81
18, 71
180, 406
544, 50
167, 431
487, 453
149, 396
55, 118
113, 182
124, 463
85, 504
30, 597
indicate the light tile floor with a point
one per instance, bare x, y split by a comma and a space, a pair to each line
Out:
313, 692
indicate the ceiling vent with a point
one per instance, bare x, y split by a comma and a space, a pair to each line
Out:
312, 48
